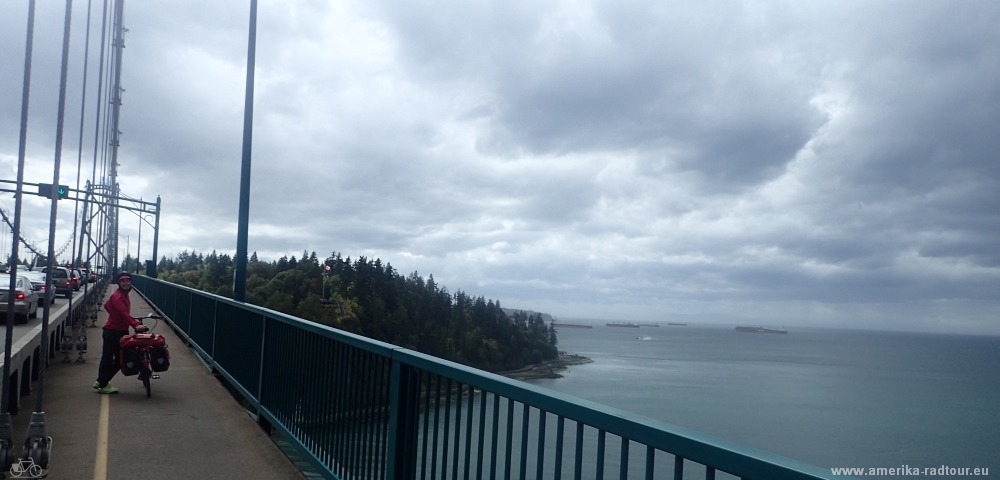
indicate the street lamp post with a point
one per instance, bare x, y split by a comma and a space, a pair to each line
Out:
243, 220
138, 246
125, 257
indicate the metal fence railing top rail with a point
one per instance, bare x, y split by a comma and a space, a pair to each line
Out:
689, 444
339, 414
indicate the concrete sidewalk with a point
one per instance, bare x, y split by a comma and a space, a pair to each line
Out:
191, 428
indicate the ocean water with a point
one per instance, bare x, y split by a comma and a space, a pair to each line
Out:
833, 398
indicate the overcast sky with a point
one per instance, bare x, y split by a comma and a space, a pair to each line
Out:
829, 164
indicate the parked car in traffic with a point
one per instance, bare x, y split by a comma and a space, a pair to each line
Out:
25, 299
38, 285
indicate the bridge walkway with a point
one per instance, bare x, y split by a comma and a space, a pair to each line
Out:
191, 427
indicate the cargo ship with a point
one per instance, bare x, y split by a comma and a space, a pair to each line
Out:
571, 325
675, 324
759, 329
623, 324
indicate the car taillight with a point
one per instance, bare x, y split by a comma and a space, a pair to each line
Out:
69, 282
19, 296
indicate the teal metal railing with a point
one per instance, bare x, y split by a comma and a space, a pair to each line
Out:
363, 409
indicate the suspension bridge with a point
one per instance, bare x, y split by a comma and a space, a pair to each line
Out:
254, 393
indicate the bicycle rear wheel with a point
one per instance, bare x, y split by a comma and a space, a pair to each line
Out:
146, 375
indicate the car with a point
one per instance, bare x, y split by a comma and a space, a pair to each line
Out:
38, 283
77, 278
25, 299
62, 282
87, 274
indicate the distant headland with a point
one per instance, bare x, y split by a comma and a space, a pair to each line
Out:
548, 368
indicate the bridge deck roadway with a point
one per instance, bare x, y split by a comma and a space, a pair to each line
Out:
191, 428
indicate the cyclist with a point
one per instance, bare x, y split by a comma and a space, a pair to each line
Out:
119, 309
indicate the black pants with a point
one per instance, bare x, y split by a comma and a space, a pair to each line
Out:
110, 356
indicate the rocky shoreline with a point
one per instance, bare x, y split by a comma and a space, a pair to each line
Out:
547, 369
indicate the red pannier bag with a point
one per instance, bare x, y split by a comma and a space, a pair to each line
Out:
159, 356
131, 360
143, 340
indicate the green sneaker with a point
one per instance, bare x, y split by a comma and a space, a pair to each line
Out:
97, 385
107, 389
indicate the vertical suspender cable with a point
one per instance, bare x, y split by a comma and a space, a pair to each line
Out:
79, 148
25, 90
106, 46
55, 199
77, 258
106, 133
37, 443
109, 68
97, 129
119, 44
7, 455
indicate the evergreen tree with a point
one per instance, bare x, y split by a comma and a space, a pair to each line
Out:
370, 298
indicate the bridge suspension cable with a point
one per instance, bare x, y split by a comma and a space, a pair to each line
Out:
28, 244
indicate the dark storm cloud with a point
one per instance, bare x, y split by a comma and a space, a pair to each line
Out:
45, 72
624, 76
43, 109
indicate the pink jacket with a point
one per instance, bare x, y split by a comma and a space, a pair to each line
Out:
119, 309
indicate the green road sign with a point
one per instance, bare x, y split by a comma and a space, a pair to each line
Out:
46, 190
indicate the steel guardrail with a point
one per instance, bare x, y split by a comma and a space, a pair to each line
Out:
26, 353
358, 408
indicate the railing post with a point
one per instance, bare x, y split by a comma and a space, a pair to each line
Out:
403, 412
211, 343
261, 421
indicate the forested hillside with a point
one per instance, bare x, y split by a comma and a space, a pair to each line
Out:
370, 298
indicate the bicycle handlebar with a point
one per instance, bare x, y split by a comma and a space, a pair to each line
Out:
149, 316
